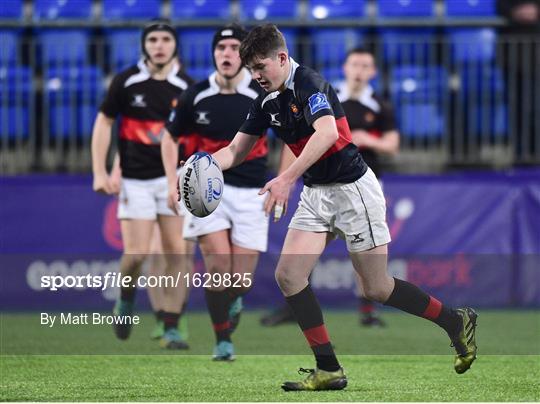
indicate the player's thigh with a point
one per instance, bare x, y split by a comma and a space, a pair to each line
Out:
136, 235
301, 251
217, 251
171, 234
244, 260
372, 268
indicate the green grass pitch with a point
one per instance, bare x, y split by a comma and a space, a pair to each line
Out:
410, 360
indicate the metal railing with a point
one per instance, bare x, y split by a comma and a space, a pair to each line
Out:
461, 98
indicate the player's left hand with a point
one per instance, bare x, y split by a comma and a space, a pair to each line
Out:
278, 190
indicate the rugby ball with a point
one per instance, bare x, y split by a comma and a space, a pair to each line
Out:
201, 184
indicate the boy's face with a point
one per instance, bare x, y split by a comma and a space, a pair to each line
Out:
227, 57
359, 68
269, 72
160, 46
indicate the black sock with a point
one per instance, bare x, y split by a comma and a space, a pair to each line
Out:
159, 315
170, 320
366, 307
218, 306
309, 316
413, 300
128, 294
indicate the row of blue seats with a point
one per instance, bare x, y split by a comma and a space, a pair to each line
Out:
249, 9
72, 96
329, 45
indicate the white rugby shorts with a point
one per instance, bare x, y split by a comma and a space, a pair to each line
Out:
144, 199
355, 212
241, 211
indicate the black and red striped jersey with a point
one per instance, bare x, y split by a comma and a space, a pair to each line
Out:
143, 105
216, 118
291, 114
368, 112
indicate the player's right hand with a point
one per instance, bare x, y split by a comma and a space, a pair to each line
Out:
173, 198
102, 184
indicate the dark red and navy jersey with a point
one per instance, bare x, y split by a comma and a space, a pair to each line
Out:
143, 105
291, 114
216, 118
368, 112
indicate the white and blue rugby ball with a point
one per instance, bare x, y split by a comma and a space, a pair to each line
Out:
201, 184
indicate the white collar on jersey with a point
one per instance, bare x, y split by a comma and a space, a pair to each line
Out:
242, 87
365, 97
289, 83
144, 74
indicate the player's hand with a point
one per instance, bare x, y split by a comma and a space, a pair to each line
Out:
102, 184
278, 190
114, 183
173, 198
361, 138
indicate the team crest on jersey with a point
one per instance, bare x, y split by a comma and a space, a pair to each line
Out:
202, 117
317, 102
296, 112
369, 117
273, 119
138, 101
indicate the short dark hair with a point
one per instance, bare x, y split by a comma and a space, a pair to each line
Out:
358, 50
262, 41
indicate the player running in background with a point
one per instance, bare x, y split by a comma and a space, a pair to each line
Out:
373, 130
232, 237
142, 97
341, 197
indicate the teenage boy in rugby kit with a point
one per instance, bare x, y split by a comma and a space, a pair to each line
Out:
341, 197
142, 97
237, 231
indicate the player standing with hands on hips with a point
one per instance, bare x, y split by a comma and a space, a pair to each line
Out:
237, 231
341, 197
142, 96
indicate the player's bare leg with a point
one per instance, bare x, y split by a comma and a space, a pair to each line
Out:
300, 253
156, 268
176, 257
217, 254
459, 324
366, 308
136, 235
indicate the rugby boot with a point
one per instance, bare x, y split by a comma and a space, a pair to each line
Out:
318, 380
465, 342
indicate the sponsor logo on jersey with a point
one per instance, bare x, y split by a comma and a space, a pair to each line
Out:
202, 117
273, 119
317, 102
138, 101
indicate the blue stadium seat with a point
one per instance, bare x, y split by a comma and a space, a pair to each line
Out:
334, 9
472, 44
408, 46
406, 8
14, 122
63, 47
124, 48
331, 45
196, 51
419, 120
418, 84
71, 121
131, 9
74, 85
12, 9
57, 9
9, 44
16, 90
200, 9
268, 9
470, 8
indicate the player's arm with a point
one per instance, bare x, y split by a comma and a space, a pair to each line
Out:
325, 135
388, 143
286, 158
101, 140
236, 152
169, 156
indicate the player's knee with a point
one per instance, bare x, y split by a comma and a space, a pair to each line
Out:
376, 293
285, 278
134, 260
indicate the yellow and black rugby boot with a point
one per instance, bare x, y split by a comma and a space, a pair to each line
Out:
318, 380
465, 342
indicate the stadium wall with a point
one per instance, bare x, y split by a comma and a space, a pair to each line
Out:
466, 238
